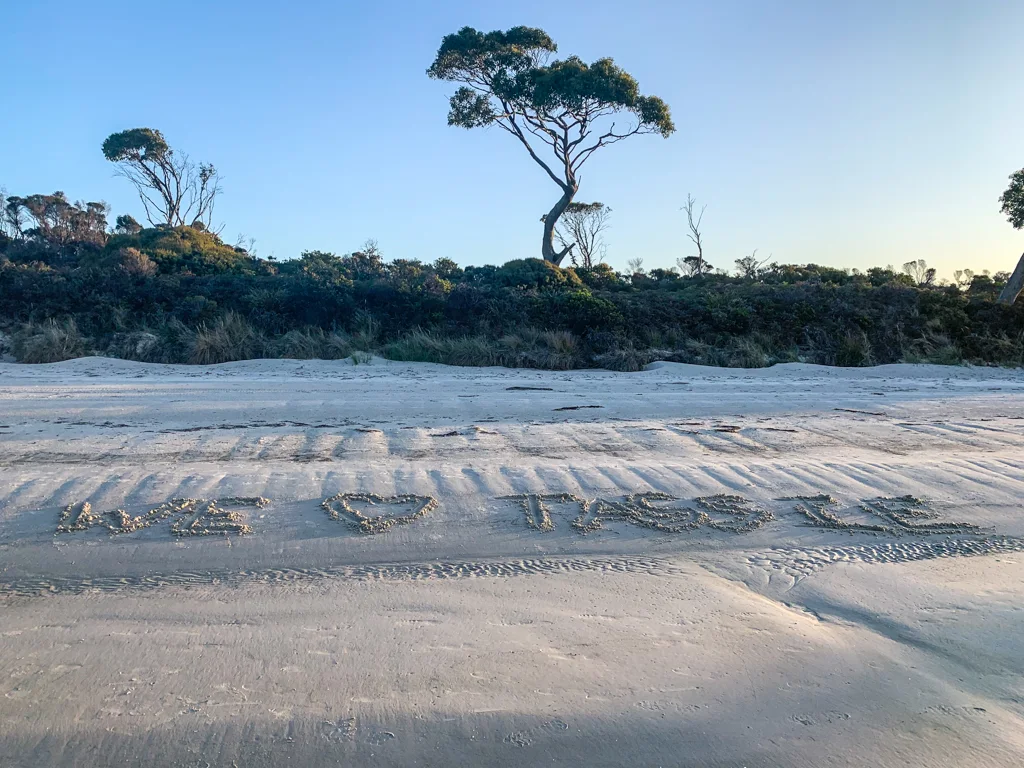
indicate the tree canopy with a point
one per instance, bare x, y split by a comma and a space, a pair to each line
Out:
55, 221
1013, 206
562, 106
1013, 200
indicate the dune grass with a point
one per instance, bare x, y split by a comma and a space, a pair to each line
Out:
232, 337
49, 342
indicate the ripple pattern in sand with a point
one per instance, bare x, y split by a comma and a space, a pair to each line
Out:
30, 586
799, 562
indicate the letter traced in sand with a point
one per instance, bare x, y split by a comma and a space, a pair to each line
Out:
193, 517
647, 510
890, 516
370, 513
203, 518
340, 508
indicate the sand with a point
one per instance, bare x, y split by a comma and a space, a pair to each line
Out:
316, 563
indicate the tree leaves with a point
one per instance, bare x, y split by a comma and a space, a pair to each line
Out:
1013, 200
135, 144
470, 109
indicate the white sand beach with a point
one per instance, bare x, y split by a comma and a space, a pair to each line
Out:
397, 564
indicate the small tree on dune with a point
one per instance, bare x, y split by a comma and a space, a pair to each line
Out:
173, 190
920, 272
751, 267
563, 107
581, 231
56, 221
963, 277
1012, 201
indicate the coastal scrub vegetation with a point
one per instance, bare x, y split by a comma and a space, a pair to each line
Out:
181, 294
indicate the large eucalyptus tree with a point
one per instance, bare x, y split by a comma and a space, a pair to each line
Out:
1013, 206
561, 111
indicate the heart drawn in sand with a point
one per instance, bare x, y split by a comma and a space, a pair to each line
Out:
371, 513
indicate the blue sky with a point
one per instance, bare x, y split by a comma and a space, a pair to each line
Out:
854, 134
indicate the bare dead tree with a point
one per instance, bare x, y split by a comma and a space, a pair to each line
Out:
583, 226
635, 266
245, 243
920, 272
693, 221
963, 277
173, 189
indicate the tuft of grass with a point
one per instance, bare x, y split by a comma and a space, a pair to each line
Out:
854, 351
851, 349
472, 350
306, 344
934, 348
417, 347
311, 344
552, 350
361, 358
748, 352
49, 342
136, 345
337, 346
230, 338
628, 359
423, 347
366, 336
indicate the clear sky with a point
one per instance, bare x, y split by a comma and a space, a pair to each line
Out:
851, 134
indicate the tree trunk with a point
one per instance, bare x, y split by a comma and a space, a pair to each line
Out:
1014, 284
548, 244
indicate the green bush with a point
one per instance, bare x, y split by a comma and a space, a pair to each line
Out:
183, 249
535, 273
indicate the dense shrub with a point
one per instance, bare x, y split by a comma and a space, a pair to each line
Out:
184, 249
181, 295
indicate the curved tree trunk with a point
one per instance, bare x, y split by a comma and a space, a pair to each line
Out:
548, 244
1014, 285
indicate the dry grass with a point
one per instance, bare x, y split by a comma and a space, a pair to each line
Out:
550, 350
230, 338
49, 342
934, 348
312, 344
143, 346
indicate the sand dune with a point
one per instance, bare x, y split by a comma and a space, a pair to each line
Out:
404, 564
